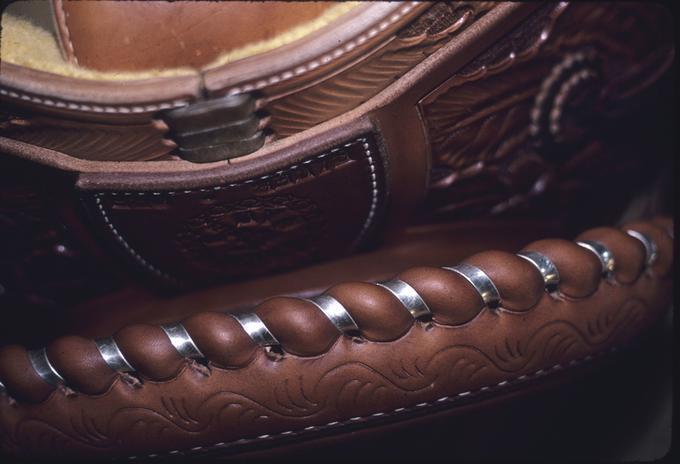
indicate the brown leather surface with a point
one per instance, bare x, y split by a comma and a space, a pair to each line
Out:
312, 91
89, 373
503, 269
352, 381
108, 35
72, 107
439, 245
313, 209
487, 122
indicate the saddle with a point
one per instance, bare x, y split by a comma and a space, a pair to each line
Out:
228, 226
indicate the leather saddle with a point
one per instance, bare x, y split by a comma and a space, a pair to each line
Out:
233, 226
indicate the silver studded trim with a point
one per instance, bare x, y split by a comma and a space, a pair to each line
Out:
256, 329
408, 296
335, 312
651, 252
112, 355
603, 254
482, 283
43, 367
551, 276
181, 340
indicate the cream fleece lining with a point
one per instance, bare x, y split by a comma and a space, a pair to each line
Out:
26, 44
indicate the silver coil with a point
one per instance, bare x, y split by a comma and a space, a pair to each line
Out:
256, 329
336, 313
44, 368
651, 251
112, 355
548, 270
182, 341
481, 282
408, 297
605, 256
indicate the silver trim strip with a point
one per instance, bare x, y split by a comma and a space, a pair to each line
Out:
43, 367
651, 250
481, 282
256, 329
551, 276
112, 355
335, 312
408, 296
182, 341
603, 254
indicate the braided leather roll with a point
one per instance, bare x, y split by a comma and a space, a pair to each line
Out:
360, 353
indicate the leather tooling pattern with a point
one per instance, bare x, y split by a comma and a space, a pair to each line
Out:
356, 380
544, 105
199, 245
353, 86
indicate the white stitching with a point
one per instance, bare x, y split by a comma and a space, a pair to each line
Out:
325, 59
158, 272
283, 76
450, 398
127, 246
68, 32
95, 109
374, 200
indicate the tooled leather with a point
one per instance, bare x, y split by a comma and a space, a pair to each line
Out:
491, 152
333, 379
300, 97
339, 92
92, 140
299, 214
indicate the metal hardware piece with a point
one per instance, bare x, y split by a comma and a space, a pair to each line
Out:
551, 276
43, 367
256, 329
651, 251
481, 282
112, 355
408, 296
217, 129
603, 254
336, 313
182, 341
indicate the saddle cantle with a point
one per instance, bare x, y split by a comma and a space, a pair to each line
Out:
236, 221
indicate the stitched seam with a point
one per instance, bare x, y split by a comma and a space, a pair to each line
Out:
94, 108
127, 246
67, 33
145, 263
283, 76
444, 399
324, 59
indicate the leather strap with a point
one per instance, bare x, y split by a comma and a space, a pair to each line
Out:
288, 370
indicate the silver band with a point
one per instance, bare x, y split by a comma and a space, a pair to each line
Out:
408, 296
603, 254
481, 282
112, 355
181, 340
650, 246
256, 329
551, 276
336, 313
43, 367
